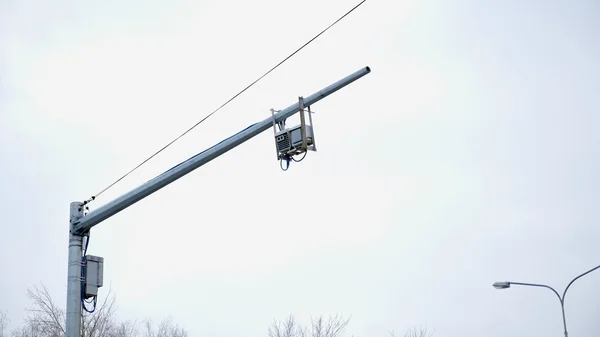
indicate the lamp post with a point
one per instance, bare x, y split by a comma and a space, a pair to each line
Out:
507, 284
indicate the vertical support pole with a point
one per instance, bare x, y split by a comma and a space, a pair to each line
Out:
312, 127
275, 131
302, 123
73, 324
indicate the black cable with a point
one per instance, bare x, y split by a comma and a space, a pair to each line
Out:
297, 161
83, 276
223, 105
281, 164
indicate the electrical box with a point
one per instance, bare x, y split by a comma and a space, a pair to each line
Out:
94, 270
290, 140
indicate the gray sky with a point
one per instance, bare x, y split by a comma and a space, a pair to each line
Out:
468, 156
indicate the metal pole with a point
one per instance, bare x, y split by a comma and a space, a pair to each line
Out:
73, 324
561, 299
562, 302
153, 185
562, 305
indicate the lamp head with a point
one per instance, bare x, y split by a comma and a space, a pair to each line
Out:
502, 285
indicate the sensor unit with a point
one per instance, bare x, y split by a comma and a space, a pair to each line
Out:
296, 140
289, 141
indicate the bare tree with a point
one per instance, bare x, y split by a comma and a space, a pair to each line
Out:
333, 326
420, 332
3, 323
102, 321
166, 328
124, 329
286, 328
46, 319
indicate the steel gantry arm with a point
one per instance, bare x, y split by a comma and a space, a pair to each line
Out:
95, 217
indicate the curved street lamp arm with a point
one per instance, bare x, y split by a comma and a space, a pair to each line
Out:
575, 279
539, 285
561, 299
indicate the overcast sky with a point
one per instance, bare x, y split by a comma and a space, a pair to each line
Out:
469, 155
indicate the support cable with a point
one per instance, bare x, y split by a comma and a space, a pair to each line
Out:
222, 106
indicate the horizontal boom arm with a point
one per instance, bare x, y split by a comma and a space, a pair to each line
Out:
153, 185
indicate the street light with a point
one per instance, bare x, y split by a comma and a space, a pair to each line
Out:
506, 285
502, 285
